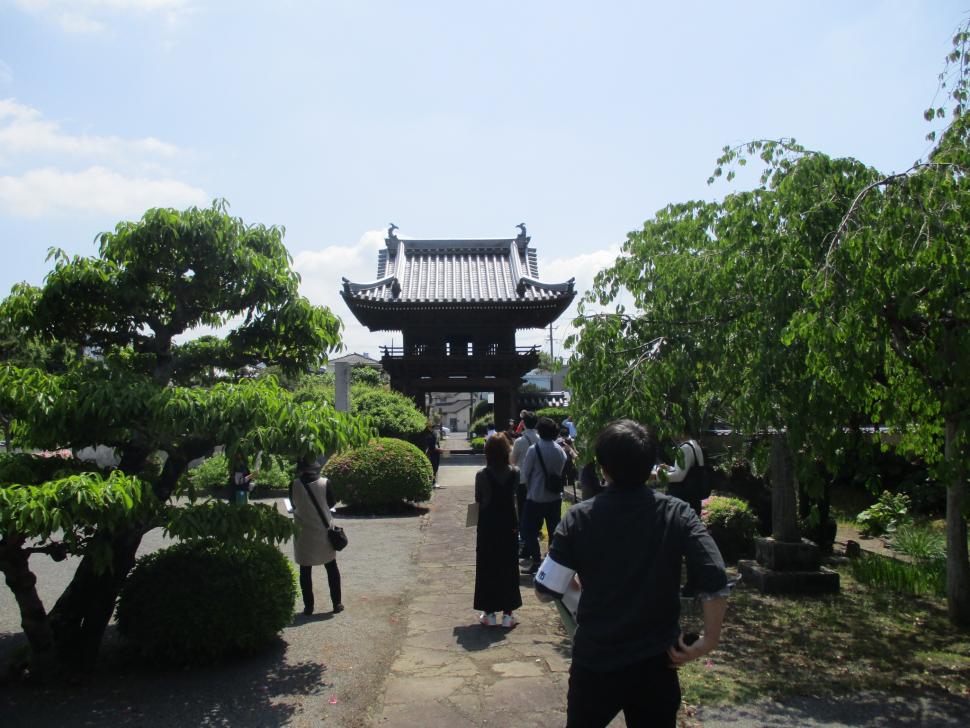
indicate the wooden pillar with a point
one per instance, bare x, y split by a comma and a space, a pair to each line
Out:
503, 407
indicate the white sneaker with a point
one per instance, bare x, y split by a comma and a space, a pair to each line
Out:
488, 619
509, 620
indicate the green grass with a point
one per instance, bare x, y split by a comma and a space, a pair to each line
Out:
918, 578
861, 639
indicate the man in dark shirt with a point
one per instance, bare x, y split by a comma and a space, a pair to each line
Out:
628, 637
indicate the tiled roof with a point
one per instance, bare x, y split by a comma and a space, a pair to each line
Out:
457, 271
538, 400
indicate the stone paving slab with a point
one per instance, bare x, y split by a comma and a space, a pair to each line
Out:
451, 671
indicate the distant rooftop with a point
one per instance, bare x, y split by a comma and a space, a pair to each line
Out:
355, 360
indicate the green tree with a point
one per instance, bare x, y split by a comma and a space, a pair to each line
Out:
831, 296
888, 318
151, 398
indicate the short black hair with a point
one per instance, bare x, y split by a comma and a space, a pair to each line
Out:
547, 428
627, 451
529, 419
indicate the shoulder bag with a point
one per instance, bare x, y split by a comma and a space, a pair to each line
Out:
554, 482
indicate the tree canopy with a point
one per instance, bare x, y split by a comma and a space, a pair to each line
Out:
158, 398
828, 297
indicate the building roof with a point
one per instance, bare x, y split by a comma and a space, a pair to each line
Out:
457, 273
540, 400
355, 360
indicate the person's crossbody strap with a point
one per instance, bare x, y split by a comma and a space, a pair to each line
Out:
542, 463
316, 505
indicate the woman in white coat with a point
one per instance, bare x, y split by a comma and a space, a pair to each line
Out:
311, 545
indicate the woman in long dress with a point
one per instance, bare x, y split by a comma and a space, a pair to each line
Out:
496, 550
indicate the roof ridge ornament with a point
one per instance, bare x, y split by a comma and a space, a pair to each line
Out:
392, 240
522, 239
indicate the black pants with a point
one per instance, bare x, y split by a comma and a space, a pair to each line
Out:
647, 692
333, 581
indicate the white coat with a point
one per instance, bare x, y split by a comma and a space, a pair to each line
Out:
311, 546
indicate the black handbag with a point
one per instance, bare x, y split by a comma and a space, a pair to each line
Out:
335, 534
338, 539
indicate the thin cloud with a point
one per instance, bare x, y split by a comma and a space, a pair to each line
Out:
94, 16
96, 190
6, 73
25, 133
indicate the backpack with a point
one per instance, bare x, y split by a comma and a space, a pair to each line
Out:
696, 485
555, 483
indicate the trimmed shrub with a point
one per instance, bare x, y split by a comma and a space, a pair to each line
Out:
478, 444
483, 408
209, 475
381, 474
732, 525
391, 413
199, 601
480, 426
558, 414
274, 474
213, 474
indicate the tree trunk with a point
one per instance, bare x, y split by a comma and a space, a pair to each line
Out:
82, 613
33, 616
957, 563
784, 499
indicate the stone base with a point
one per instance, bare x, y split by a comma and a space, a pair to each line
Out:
787, 556
770, 581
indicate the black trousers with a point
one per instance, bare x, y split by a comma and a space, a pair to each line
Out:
647, 692
333, 581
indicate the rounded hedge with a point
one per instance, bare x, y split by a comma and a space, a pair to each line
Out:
478, 444
382, 473
731, 524
557, 414
198, 601
391, 413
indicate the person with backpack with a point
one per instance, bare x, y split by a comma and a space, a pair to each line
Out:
496, 547
691, 481
542, 472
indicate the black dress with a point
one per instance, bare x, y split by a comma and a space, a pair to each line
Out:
496, 551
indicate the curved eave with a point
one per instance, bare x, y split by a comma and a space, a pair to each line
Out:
386, 315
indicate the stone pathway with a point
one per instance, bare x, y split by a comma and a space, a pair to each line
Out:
451, 671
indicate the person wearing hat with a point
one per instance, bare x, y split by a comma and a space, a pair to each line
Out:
310, 496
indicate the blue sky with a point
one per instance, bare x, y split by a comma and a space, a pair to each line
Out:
449, 119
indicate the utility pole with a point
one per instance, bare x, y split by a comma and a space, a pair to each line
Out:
551, 353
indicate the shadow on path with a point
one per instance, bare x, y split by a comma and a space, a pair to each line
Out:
475, 637
248, 692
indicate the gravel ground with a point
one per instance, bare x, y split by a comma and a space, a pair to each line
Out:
325, 668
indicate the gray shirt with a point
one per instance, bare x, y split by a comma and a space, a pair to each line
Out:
520, 447
554, 459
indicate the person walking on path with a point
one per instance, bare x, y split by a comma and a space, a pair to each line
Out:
432, 448
542, 503
311, 544
628, 635
520, 447
496, 546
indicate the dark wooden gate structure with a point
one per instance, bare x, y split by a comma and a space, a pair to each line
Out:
458, 304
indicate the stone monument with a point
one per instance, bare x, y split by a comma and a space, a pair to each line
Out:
784, 562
